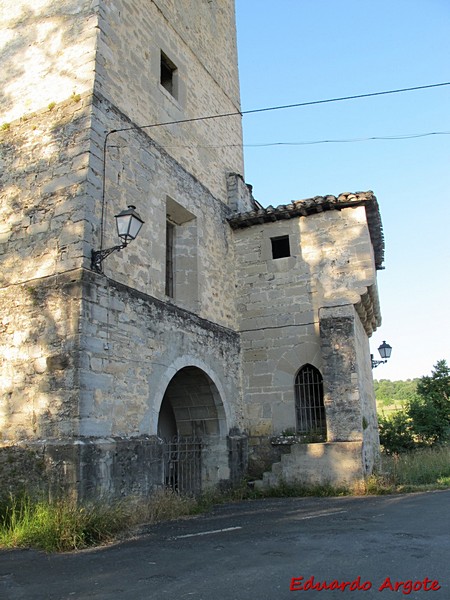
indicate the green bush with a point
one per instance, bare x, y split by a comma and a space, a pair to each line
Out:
430, 410
394, 393
396, 433
425, 420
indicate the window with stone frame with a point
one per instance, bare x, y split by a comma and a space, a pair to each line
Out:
170, 265
280, 247
181, 268
168, 75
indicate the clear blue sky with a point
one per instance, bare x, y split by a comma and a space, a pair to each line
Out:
293, 51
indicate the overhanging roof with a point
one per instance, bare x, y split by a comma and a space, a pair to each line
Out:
318, 204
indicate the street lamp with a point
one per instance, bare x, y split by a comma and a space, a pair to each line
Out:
128, 224
385, 353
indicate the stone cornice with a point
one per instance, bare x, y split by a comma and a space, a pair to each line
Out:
368, 309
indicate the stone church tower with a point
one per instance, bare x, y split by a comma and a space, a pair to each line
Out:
101, 108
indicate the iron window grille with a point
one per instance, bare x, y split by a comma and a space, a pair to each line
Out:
309, 406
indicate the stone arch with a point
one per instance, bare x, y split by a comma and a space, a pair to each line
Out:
149, 424
191, 406
308, 351
190, 403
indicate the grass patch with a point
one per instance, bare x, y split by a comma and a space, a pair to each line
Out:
63, 525
420, 467
414, 471
163, 505
294, 490
57, 526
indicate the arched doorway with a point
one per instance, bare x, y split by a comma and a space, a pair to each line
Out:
191, 406
309, 404
190, 421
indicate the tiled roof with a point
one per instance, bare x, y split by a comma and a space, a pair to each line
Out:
318, 204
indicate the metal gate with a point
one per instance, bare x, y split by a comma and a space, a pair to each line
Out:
182, 464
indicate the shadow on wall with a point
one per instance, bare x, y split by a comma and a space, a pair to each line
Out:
45, 220
40, 355
42, 53
40, 395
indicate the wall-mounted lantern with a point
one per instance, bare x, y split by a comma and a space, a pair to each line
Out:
128, 224
385, 353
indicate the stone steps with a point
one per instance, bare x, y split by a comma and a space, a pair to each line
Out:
336, 463
271, 478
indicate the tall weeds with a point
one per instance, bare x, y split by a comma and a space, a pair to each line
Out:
63, 525
412, 471
428, 466
57, 526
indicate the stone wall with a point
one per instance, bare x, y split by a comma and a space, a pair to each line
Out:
86, 363
83, 469
299, 309
330, 263
198, 37
83, 355
93, 468
45, 181
51, 207
371, 438
349, 393
332, 463
132, 347
53, 162
39, 359
140, 172
342, 387
47, 53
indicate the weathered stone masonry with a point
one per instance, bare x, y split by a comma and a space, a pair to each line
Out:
316, 306
96, 371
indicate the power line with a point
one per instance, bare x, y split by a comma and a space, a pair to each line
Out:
241, 113
406, 136
342, 98
285, 106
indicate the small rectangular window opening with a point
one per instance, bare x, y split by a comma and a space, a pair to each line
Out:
168, 74
280, 247
170, 266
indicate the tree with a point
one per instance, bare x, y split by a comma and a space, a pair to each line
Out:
430, 409
394, 393
425, 419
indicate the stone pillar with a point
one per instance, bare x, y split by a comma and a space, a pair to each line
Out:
341, 383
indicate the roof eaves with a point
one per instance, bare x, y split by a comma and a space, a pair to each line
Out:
318, 204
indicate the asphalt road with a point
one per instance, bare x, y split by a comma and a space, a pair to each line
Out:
259, 550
